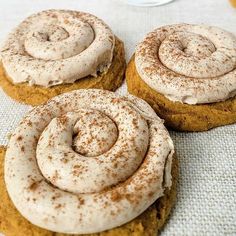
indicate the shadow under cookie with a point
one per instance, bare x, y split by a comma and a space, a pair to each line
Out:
35, 95
148, 223
179, 116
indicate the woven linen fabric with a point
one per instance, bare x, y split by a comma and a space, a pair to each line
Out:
206, 203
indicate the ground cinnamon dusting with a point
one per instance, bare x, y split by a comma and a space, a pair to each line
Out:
34, 185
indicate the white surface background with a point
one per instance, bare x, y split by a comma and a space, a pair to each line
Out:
207, 184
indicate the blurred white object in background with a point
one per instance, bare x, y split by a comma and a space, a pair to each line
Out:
147, 3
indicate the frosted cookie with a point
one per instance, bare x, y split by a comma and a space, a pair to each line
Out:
76, 174
56, 51
187, 73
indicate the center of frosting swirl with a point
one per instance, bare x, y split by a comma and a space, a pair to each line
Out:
66, 143
95, 133
54, 42
52, 33
184, 53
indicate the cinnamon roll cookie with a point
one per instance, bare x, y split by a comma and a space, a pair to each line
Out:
88, 162
56, 51
187, 73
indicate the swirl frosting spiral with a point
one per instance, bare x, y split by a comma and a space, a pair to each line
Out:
189, 63
57, 46
88, 161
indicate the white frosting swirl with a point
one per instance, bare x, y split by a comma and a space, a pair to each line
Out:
57, 46
88, 155
189, 63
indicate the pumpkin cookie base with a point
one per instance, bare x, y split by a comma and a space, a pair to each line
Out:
179, 116
35, 95
148, 223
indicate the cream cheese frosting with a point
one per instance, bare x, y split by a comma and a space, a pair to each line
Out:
191, 64
56, 47
88, 155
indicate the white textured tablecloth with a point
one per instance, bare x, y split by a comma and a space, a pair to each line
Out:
206, 202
